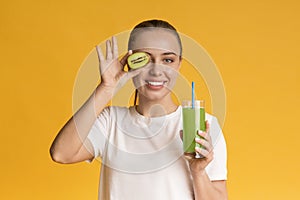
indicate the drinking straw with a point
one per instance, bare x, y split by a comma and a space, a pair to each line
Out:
193, 94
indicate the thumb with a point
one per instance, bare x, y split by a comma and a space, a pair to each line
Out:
123, 60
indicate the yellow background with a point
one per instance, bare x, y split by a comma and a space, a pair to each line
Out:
255, 45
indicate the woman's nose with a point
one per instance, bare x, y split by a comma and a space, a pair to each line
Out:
155, 70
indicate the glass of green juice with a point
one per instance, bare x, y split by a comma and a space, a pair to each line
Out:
193, 120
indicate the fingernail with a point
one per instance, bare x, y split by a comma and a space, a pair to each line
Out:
197, 149
197, 139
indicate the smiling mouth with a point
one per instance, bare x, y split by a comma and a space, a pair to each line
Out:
156, 83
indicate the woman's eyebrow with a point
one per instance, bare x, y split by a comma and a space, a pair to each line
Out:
165, 53
170, 53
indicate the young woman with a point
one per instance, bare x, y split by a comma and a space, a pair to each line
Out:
140, 146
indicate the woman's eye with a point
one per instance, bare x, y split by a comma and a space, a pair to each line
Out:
168, 60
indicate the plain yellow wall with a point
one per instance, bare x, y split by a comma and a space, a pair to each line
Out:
254, 43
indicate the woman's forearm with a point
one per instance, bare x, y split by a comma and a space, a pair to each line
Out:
71, 137
204, 189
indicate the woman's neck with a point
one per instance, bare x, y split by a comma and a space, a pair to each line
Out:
152, 108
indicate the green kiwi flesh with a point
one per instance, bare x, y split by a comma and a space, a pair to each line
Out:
138, 60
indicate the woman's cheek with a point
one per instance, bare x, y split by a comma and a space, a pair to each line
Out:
172, 76
137, 81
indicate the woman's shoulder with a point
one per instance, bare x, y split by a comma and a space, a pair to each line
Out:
117, 109
110, 111
210, 117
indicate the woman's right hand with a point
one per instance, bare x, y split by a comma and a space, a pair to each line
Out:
112, 73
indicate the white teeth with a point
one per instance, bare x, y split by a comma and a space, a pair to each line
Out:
154, 83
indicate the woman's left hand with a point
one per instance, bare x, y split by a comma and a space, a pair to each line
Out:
198, 165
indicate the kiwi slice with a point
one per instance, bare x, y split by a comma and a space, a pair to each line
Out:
138, 60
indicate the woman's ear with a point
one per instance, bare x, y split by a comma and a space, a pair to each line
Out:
179, 64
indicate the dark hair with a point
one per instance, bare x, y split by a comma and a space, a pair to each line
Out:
154, 23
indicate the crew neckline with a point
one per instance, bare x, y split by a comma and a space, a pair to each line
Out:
136, 113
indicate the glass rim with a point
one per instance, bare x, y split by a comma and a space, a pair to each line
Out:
188, 103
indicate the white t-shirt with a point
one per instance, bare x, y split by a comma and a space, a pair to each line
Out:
142, 158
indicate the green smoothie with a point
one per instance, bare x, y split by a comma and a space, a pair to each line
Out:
193, 120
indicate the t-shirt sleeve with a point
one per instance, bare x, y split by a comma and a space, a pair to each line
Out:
217, 168
97, 135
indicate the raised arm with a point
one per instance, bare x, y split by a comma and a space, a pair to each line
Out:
70, 144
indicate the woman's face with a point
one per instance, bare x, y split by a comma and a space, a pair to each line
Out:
158, 77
